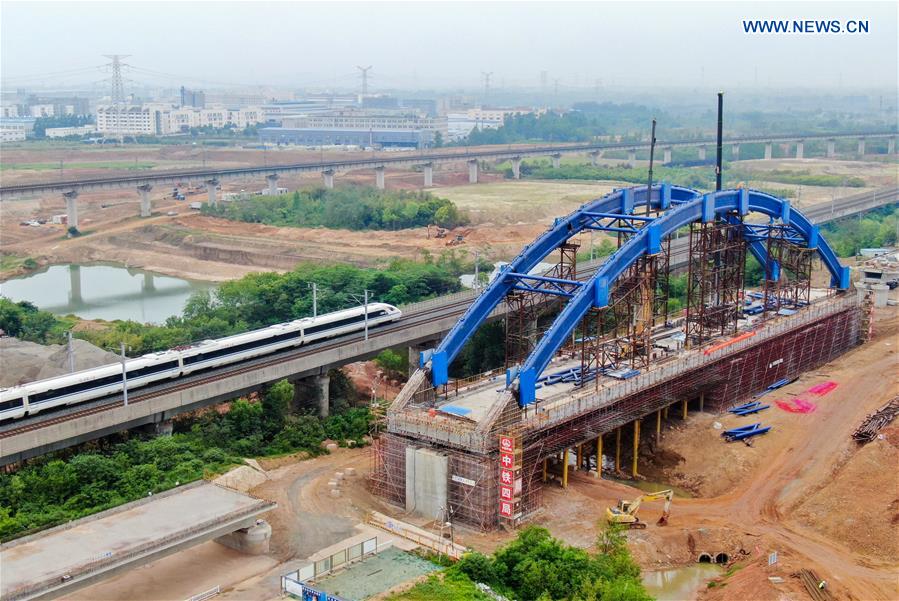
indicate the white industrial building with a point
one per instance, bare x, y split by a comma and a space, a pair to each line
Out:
461, 123
62, 132
162, 119
362, 120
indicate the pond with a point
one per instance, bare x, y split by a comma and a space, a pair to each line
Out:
104, 292
678, 584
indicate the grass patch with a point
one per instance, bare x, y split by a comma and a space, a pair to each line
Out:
10, 262
445, 586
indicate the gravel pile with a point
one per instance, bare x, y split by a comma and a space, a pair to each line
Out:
27, 361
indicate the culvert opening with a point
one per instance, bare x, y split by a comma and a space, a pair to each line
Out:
705, 558
721, 558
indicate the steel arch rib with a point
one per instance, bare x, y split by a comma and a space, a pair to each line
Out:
621, 201
704, 208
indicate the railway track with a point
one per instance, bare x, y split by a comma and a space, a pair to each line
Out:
451, 309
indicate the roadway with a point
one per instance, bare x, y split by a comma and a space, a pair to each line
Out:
195, 176
424, 322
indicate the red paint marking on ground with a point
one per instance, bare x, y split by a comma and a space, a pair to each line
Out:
823, 388
797, 406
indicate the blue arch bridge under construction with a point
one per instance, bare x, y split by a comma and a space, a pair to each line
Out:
594, 355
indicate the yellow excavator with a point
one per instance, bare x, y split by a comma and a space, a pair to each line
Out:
626, 511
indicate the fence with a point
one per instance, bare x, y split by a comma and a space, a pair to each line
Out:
295, 583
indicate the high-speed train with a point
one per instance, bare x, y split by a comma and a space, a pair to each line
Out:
78, 387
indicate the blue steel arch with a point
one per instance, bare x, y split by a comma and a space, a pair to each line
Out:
681, 205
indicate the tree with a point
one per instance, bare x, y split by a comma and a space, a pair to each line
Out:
275, 406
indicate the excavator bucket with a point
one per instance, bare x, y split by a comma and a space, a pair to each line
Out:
663, 521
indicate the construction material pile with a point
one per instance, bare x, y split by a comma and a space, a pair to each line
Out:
876, 421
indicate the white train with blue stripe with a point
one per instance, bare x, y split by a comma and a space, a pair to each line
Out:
89, 384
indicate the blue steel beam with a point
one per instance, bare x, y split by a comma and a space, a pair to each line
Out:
706, 209
621, 202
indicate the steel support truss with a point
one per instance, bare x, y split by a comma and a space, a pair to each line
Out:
714, 279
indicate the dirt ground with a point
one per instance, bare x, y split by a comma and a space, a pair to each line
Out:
505, 215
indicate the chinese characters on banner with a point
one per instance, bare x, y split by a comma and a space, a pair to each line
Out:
509, 477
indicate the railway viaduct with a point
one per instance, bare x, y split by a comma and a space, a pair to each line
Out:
212, 178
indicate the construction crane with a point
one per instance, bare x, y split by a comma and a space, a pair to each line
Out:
626, 511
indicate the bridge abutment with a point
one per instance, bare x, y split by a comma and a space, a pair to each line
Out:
800, 149
769, 150
473, 171
557, 160
428, 171
861, 147
831, 148
666, 157
253, 540
594, 157
702, 155
379, 177
632, 157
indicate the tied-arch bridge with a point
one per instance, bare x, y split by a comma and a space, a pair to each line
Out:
586, 356
674, 207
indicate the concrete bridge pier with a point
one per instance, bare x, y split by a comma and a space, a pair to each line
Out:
666, 157
769, 150
735, 152
800, 149
149, 284
594, 157
861, 147
75, 285
557, 160
272, 184
831, 148
328, 178
516, 167
318, 387
146, 206
702, 153
71, 208
891, 146
632, 157
210, 190
428, 170
473, 171
379, 177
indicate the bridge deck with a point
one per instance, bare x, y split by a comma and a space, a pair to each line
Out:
468, 417
31, 566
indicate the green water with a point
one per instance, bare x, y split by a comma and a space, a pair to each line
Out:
104, 292
679, 584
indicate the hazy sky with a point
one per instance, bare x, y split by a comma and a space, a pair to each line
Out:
447, 44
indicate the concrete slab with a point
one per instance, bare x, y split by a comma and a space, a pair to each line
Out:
85, 550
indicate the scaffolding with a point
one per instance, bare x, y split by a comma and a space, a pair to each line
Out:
714, 279
783, 347
619, 335
788, 271
526, 307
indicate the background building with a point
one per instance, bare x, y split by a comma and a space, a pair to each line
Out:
309, 136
